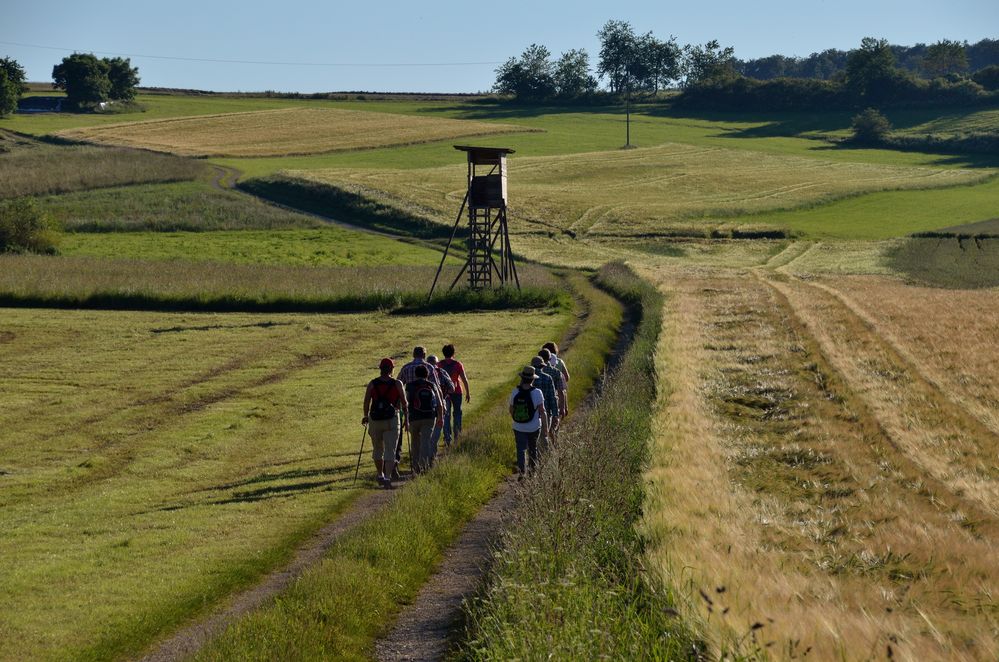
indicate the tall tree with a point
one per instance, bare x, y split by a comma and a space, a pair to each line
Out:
618, 54
662, 59
11, 85
707, 62
870, 67
85, 79
944, 57
124, 78
531, 77
572, 74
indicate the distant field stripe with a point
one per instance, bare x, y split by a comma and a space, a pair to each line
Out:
285, 132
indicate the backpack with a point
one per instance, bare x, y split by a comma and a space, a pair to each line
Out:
445, 381
523, 405
384, 400
423, 399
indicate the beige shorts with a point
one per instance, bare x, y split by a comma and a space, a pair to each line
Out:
384, 435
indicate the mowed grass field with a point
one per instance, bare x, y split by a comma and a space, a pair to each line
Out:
152, 462
666, 190
287, 132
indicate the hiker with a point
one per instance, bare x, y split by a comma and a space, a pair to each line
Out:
452, 410
555, 416
556, 362
546, 385
447, 390
407, 374
527, 408
384, 399
426, 410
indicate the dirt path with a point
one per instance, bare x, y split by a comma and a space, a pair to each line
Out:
189, 639
424, 628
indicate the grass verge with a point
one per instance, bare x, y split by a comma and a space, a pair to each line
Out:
568, 581
338, 609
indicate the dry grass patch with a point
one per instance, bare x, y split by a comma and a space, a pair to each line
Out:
951, 335
668, 190
286, 132
779, 505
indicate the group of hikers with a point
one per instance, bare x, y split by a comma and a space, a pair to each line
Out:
426, 397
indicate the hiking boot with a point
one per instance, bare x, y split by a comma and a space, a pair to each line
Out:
387, 484
380, 479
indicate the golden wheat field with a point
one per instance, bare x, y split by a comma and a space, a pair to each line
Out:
825, 482
656, 190
285, 132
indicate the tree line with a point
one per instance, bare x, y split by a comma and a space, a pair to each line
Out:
945, 57
87, 80
628, 62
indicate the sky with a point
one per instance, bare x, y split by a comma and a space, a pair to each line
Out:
322, 46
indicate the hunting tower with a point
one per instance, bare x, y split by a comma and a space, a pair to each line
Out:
490, 259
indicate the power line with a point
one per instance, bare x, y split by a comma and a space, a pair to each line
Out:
283, 64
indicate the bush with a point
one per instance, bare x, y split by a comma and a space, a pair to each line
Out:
24, 228
870, 127
988, 77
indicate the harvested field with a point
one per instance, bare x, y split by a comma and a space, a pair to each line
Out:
151, 462
668, 190
811, 493
286, 132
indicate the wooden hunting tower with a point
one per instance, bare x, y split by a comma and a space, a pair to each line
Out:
489, 253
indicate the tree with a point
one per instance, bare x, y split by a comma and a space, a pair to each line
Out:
85, 79
618, 54
987, 77
530, 78
870, 127
572, 74
869, 67
26, 228
706, 62
944, 57
658, 62
11, 85
123, 78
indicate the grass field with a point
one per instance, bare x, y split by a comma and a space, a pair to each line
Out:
330, 246
32, 168
290, 132
182, 206
672, 189
155, 461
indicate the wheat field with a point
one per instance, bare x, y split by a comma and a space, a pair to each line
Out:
285, 132
657, 190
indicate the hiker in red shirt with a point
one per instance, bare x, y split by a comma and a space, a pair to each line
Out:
456, 371
384, 400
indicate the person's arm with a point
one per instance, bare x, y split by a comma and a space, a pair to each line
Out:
405, 404
464, 380
544, 418
564, 371
367, 405
440, 408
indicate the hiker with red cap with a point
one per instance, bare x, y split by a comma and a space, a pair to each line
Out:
384, 400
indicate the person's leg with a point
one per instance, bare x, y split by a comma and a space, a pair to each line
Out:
390, 438
532, 448
375, 431
428, 444
436, 434
456, 400
521, 439
400, 439
447, 419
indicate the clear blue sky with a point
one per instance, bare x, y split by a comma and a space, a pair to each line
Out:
420, 34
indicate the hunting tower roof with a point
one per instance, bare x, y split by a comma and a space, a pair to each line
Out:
484, 155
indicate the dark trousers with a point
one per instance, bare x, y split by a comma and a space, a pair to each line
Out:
527, 444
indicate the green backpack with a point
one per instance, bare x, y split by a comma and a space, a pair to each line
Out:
523, 406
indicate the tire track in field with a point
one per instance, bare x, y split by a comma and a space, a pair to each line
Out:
953, 450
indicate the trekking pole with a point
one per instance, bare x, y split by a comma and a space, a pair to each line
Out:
364, 433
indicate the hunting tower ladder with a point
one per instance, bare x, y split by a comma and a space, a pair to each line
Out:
490, 258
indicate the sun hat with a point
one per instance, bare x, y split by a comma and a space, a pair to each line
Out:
386, 363
432, 359
528, 374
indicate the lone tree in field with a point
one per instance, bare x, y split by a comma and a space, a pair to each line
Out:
11, 85
89, 80
870, 127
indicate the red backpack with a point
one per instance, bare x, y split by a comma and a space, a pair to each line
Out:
384, 400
